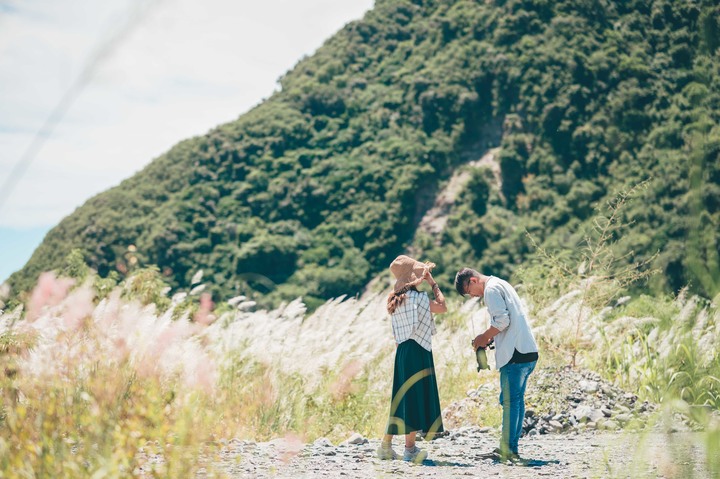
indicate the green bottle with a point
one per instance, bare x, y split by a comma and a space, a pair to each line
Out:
481, 356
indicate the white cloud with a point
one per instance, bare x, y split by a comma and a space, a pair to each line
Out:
185, 68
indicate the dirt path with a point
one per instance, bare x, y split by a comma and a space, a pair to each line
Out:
584, 455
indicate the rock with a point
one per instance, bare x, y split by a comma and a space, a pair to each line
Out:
610, 425
322, 442
582, 413
623, 418
556, 425
606, 412
529, 412
587, 413
589, 386
622, 409
485, 429
607, 390
630, 398
357, 438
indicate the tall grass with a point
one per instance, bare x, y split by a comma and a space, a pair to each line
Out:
673, 362
106, 383
663, 348
103, 381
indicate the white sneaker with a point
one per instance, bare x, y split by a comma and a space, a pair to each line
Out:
415, 455
386, 453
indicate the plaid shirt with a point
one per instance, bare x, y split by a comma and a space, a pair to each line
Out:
412, 320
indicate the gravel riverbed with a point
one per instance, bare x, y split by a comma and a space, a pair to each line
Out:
462, 454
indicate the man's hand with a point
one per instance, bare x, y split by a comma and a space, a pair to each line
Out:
481, 341
484, 339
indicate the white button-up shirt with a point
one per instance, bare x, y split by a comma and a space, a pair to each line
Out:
413, 320
507, 315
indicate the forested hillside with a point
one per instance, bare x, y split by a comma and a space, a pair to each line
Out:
315, 190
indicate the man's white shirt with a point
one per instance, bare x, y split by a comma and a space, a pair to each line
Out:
507, 315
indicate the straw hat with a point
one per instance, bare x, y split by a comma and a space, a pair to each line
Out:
408, 272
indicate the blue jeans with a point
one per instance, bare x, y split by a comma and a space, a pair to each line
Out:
513, 381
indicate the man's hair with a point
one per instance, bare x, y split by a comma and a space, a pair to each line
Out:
463, 277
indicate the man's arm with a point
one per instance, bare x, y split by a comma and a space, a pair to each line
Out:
499, 318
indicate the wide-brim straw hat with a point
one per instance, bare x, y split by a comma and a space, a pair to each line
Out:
408, 272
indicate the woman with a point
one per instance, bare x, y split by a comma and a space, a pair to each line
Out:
415, 404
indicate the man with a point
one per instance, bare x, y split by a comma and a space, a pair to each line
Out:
516, 352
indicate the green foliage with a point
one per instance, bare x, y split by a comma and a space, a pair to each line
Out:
592, 268
678, 358
581, 98
147, 286
75, 266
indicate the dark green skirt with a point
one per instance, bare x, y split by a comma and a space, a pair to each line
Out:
415, 403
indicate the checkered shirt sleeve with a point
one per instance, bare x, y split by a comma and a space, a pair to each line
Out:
413, 320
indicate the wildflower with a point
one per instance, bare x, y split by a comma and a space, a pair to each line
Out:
203, 315
343, 385
49, 291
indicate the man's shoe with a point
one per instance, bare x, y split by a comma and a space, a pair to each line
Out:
508, 456
415, 455
386, 453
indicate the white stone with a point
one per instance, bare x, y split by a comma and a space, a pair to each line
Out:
586, 413
357, 438
622, 409
623, 418
589, 386
556, 425
610, 425
322, 442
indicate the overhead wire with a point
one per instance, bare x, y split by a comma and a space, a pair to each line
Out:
102, 51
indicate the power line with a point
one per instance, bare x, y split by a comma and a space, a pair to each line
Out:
103, 50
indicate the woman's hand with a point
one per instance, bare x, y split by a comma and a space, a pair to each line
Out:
438, 305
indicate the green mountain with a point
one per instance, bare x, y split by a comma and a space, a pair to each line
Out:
315, 190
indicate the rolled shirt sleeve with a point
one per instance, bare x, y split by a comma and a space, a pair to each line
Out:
499, 315
426, 301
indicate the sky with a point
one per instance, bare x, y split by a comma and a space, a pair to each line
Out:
132, 78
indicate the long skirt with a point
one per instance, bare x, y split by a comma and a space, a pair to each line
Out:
415, 403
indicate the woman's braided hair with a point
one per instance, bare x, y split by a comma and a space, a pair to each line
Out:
395, 299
